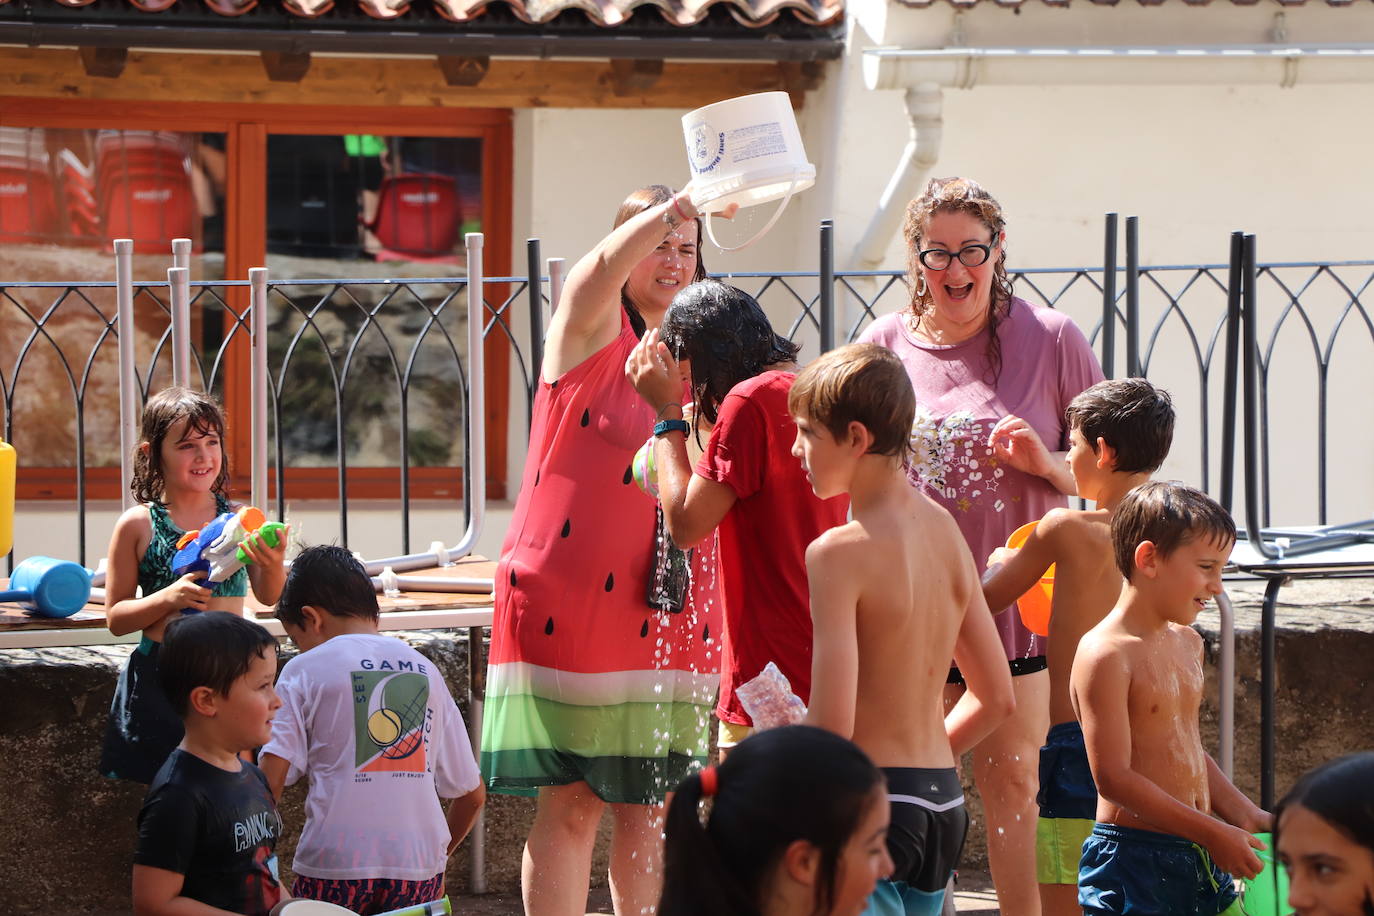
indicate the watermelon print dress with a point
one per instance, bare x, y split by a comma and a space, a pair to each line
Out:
585, 680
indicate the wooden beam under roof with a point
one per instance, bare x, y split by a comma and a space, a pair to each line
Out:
416, 82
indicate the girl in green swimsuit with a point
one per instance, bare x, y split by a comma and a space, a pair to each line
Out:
180, 479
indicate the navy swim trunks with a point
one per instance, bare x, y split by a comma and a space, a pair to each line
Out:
924, 839
1068, 805
1130, 872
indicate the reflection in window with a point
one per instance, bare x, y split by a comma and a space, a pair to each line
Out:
65, 195
365, 206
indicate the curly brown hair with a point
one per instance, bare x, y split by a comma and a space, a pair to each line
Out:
958, 195
160, 414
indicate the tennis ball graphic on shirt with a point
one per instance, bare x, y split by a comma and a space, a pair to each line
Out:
384, 727
390, 710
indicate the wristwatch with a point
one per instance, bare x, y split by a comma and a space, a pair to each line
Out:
663, 427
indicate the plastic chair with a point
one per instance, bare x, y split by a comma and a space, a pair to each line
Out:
144, 188
28, 204
418, 214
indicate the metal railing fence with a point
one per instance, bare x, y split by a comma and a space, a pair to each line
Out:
365, 368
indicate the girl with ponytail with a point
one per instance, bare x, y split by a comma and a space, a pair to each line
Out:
796, 825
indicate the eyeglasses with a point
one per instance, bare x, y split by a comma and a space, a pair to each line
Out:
969, 256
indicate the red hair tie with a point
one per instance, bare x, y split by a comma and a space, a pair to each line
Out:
709, 781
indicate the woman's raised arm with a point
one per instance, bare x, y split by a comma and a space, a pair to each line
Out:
588, 316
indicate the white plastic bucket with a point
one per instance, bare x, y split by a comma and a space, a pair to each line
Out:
745, 151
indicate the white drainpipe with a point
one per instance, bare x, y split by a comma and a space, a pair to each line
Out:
924, 104
925, 72
1231, 65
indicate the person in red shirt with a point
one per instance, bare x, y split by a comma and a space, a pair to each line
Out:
746, 482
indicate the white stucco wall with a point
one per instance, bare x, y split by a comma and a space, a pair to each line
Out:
1193, 162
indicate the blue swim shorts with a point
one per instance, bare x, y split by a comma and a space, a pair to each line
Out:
1068, 805
1130, 872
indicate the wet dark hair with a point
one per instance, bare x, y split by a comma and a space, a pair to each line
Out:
861, 382
1168, 514
211, 649
160, 414
1339, 793
330, 578
1133, 416
635, 204
726, 335
776, 787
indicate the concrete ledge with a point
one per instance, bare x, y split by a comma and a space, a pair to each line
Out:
73, 830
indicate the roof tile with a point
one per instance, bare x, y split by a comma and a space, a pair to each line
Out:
609, 13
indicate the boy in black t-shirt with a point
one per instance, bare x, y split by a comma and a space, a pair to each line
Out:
209, 826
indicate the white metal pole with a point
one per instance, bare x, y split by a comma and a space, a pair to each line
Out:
181, 253
556, 267
257, 324
129, 411
477, 400
1226, 685
179, 284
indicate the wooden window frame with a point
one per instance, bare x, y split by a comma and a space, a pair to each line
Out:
246, 128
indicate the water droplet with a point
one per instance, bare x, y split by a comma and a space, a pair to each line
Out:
548, 627
1001, 832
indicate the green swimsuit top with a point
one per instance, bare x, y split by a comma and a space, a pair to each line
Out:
155, 569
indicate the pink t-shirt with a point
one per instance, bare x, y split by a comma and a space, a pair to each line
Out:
763, 538
1046, 362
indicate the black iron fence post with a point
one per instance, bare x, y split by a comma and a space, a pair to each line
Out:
827, 281
536, 304
1229, 377
1132, 296
1109, 298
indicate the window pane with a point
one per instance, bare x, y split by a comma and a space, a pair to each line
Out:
365, 207
65, 194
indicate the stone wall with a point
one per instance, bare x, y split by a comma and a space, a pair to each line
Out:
69, 833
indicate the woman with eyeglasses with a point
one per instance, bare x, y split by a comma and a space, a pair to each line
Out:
993, 375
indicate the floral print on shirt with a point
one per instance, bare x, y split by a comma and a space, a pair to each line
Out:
952, 462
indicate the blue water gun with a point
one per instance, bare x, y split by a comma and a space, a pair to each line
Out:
217, 549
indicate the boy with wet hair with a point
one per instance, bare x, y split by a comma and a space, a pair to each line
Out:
1119, 434
894, 595
371, 722
1171, 828
208, 830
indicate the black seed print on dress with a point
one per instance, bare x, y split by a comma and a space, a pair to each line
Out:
629, 474
610, 581
512, 578
644, 630
548, 627
706, 633
567, 528
586, 416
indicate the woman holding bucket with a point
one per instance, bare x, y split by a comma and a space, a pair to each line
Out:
597, 698
992, 375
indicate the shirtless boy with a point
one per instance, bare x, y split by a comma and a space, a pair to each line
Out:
1171, 828
894, 595
1119, 433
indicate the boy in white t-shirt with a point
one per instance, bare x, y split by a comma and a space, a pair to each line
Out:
372, 724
